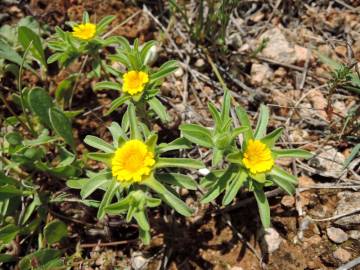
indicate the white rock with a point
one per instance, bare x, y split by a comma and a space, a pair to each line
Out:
288, 201
277, 47
337, 235
179, 72
236, 268
347, 203
200, 63
354, 234
260, 73
272, 239
329, 163
204, 171
342, 255
138, 261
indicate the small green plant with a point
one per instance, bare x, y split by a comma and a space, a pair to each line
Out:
252, 166
85, 39
140, 84
133, 163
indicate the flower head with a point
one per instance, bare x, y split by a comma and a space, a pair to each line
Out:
84, 31
132, 161
134, 81
257, 157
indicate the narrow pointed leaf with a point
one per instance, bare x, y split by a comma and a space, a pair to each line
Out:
263, 205
234, 187
291, 153
62, 126
262, 123
177, 179
99, 144
272, 137
186, 163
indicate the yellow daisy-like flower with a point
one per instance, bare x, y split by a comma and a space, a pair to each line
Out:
257, 157
84, 31
134, 82
132, 161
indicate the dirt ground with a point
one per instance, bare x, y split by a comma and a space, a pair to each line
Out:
287, 75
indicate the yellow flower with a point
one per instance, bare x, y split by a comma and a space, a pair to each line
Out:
257, 157
132, 161
84, 31
134, 81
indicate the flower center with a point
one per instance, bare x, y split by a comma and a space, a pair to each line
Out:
132, 161
134, 82
84, 31
257, 157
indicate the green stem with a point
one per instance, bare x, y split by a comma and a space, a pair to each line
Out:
21, 92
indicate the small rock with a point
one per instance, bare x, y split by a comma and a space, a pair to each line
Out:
272, 240
288, 201
342, 255
260, 73
305, 181
179, 72
354, 234
204, 171
235, 40
347, 203
277, 47
200, 63
138, 261
337, 235
329, 163
301, 55
236, 268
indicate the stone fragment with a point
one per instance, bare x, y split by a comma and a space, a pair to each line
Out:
342, 255
336, 235
260, 73
272, 240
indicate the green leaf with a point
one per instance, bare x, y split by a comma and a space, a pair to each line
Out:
159, 109
291, 153
197, 134
179, 143
272, 137
142, 220
215, 115
262, 123
9, 53
168, 197
218, 155
283, 184
220, 184
55, 231
62, 126
9, 191
145, 50
117, 133
8, 233
165, 69
134, 127
119, 207
94, 183
244, 120
102, 157
14, 138
6, 180
177, 179
352, 155
40, 102
104, 22
41, 257
280, 173
179, 162
225, 109
235, 157
106, 200
116, 103
236, 183
144, 236
5, 258
99, 144
27, 37
263, 205
107, 85
77, 183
